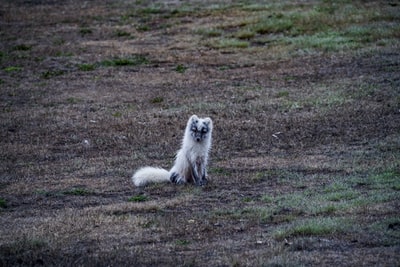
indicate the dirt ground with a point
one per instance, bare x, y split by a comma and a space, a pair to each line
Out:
304, 168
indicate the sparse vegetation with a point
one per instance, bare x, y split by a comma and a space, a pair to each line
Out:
77, 192
133, 60
213, 32
51, 73
228, 43
138, 198
282, 94
22, 47
84, 31
120, 33
117, 114
12, 69
3, 203
314, 227
86, 67
182, 242
180, 68
73, 100
157, 100
304, 164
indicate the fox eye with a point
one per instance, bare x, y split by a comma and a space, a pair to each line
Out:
194, 129
204, 130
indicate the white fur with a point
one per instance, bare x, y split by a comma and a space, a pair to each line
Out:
191, 160
150, 175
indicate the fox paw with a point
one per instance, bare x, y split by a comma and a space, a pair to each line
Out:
176, 178
202, 182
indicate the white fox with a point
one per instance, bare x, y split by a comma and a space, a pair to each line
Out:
191, 160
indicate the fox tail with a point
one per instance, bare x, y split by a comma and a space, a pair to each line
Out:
147, 175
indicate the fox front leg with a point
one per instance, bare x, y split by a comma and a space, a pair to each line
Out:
204, 177
199, 174
195, 175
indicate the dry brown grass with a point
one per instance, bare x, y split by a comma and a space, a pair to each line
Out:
304, 164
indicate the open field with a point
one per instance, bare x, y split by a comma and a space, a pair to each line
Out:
305, 99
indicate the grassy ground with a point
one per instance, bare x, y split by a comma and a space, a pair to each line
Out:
305, 99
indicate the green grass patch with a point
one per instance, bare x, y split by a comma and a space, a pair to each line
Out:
328, 100
342, 195
152, 10
327, 210
182, 242
330, 41
282, 94
292, 206
157, 100
120, 33
255, 7
180, 68
12, 69
51, 73
386, 231
319, 226
87, 67
22, 47
143, 28
224, 67
45, 193
275, 24
267, 199
245, 34
84, 31
275, 215
58, 41
389, 179
247, 199
220, 43
386, 180
325, 26
117, 114
77, 192
345, 195
336, 186
73, 100
3, 203
138, 198
210, 32
133, 60
64, 54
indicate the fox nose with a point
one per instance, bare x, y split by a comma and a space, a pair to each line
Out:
198, 139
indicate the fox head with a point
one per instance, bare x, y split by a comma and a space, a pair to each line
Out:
200, 128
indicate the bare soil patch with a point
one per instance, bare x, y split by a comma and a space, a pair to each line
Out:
305, 99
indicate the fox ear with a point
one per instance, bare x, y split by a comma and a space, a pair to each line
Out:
194, 118
208, 121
